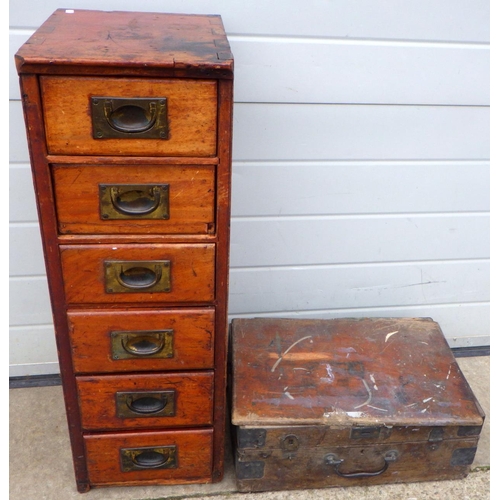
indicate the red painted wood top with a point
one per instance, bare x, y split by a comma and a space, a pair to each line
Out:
149, 44
347, 372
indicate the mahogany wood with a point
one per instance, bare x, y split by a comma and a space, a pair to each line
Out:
191, 114
191, 193
193, 400
192, 332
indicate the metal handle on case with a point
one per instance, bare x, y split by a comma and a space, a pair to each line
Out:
332, 459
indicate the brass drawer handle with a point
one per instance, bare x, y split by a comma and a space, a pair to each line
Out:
115, 117
137, 276
130, 118
150, 459
142, 344
145, 404
164, 457
134, 201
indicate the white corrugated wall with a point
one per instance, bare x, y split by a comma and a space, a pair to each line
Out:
361, 165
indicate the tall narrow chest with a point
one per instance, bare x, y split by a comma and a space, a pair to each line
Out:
129, 119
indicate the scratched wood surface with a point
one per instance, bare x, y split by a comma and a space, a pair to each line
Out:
192, 334
347, 372
148, 43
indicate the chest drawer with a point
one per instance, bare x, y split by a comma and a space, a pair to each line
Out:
138, 273
146, 401
134, 199
143, 340
171, 457
71, 117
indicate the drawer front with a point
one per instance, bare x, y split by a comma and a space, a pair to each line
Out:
146, 401
145, 340
138, 273
134, 199
166, 457
139, 117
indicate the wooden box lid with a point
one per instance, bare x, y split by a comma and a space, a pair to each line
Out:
128, 43
347, 372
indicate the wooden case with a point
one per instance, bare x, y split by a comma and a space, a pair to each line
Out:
129, 124
319, 403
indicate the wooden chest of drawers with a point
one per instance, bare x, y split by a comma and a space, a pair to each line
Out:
129, 120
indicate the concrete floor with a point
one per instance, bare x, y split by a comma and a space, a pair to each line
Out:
41, 465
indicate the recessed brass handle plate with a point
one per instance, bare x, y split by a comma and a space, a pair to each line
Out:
145, 404
123, 276
143, 344
137, 118
134, 201
161, 457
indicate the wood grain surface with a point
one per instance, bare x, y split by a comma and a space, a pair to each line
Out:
371, 371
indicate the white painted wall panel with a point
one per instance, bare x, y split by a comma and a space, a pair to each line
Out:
26, 253
29, 302
22, 204
444, 20
360, 184
18, 145
359, 72
33, 348
344, 132
291, 241
319, 188
285, 289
